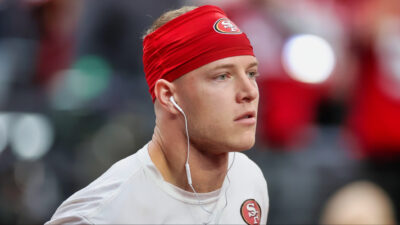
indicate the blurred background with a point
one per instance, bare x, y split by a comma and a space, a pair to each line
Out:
74, 100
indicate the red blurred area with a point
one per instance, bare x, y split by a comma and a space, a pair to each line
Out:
57, 22
289, 108
374, 117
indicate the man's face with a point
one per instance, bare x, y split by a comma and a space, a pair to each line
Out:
220, 100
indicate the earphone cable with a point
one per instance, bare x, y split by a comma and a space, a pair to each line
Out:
188, 174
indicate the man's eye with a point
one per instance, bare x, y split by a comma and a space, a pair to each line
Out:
222, 77
253, 74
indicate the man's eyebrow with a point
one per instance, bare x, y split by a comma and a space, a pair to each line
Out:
253, 64
230, 65
222, 66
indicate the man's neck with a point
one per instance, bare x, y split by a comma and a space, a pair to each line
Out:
207, 170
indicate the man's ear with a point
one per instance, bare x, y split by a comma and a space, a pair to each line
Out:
163, 90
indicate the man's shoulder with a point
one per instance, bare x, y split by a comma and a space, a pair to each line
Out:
118, 174
246, 168
103, 190
244, 161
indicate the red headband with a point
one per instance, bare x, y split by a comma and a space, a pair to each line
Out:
190, 41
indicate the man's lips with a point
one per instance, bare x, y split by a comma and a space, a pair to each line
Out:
248, 117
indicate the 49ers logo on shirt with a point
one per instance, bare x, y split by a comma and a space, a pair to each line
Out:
251, 212
225, 26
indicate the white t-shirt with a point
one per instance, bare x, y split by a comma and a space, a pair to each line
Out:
133, 191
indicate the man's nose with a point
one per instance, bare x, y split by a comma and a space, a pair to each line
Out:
247, 89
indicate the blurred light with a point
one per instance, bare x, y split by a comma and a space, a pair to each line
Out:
4, 119
308, 58
63, 98
88, 79
93, 79
31, 137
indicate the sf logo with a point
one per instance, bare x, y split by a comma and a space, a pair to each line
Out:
225, 26
251, 212
229, 25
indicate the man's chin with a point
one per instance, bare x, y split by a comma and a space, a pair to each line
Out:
244, 145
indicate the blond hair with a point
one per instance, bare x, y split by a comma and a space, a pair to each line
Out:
166, 17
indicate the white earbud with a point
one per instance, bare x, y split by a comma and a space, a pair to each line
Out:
176, 105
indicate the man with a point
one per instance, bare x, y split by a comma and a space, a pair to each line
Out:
201, 73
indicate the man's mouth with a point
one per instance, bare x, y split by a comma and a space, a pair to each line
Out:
248, 117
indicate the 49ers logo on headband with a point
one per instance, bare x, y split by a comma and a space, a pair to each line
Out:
251, 212
225, 26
